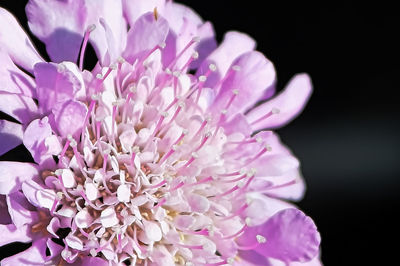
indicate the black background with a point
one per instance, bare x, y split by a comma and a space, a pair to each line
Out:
347, 136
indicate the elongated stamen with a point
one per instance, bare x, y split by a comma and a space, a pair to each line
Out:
264, 150
260, 240
85, 41
193, 41
194, 56
270, 113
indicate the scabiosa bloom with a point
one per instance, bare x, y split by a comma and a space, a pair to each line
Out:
139, 161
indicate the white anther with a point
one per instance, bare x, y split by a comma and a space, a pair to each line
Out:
261, 239
162, 45
121, 60
73, 143
236, 68
202, 78
259, 139
240, 183
189, 263
135, 149
99, 76
93, 252
195, 155
267, 147
248, 200
61, 68
176, 74
58, 172
212, 67
195, 55
242, 171
113, 66
174, 147
168, 71
185, 131
91, 28
59, 195
251, 172
181, 104
95, 97
196, 39
164, 114
275, 110
132, 88
208, 134
230, 261
248, 221
224, 111
208, 118
235, 91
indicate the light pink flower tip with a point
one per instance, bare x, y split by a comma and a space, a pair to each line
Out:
138, 161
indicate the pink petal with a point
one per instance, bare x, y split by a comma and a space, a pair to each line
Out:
152, 230
60, 25
290, 236
55, 85
133, 9
69, 118
145, 34
238, 124
289, 103
198, 203
255, 75
234, 45
108, 217
89, 261
9, 234
13, 174
34, 138
35, 255
20, 210
10, 135
83, 219
275, 165
20, 107
16, 43
12, 79
109, 37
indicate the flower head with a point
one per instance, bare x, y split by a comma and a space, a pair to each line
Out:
138, 161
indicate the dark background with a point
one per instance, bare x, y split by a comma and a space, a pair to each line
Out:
347, 136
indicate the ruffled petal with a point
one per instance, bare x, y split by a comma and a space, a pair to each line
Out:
255, 75
290, 236
288, 104
16, 43
20, 107
12, 174
55, 85
234, 45
9, 234
33, 256
60, 25
109, 37
145, 34
18, 207
35, 136
10, 135
133, 9
12, 79
69, 118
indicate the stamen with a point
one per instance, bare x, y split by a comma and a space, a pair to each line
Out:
85, 41
260, 240
194, 40
270, 113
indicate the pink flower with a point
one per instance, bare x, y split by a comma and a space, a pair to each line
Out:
138, 161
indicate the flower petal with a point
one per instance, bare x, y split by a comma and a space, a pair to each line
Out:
12, 79
34, 138
35, 255
12, 174
145, 34
55, 85
290, 236
20, 107
10, 135
69, 118
60, 25
9, 234
289, 103
133, 9
234, 45
16, 43
255, 75
19, 209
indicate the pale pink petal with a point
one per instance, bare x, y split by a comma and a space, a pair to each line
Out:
238, 124
16, 43
20, 107
275, 165
255, 75
34, 255
10, 135
133, 9
60, 25
145, 34
34, 138
289, 104
108, 217
13, 174
55, 85
314, 262
9, 233
83, 219
20, 210
12, 79
69, 118
111, 29
233, 45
